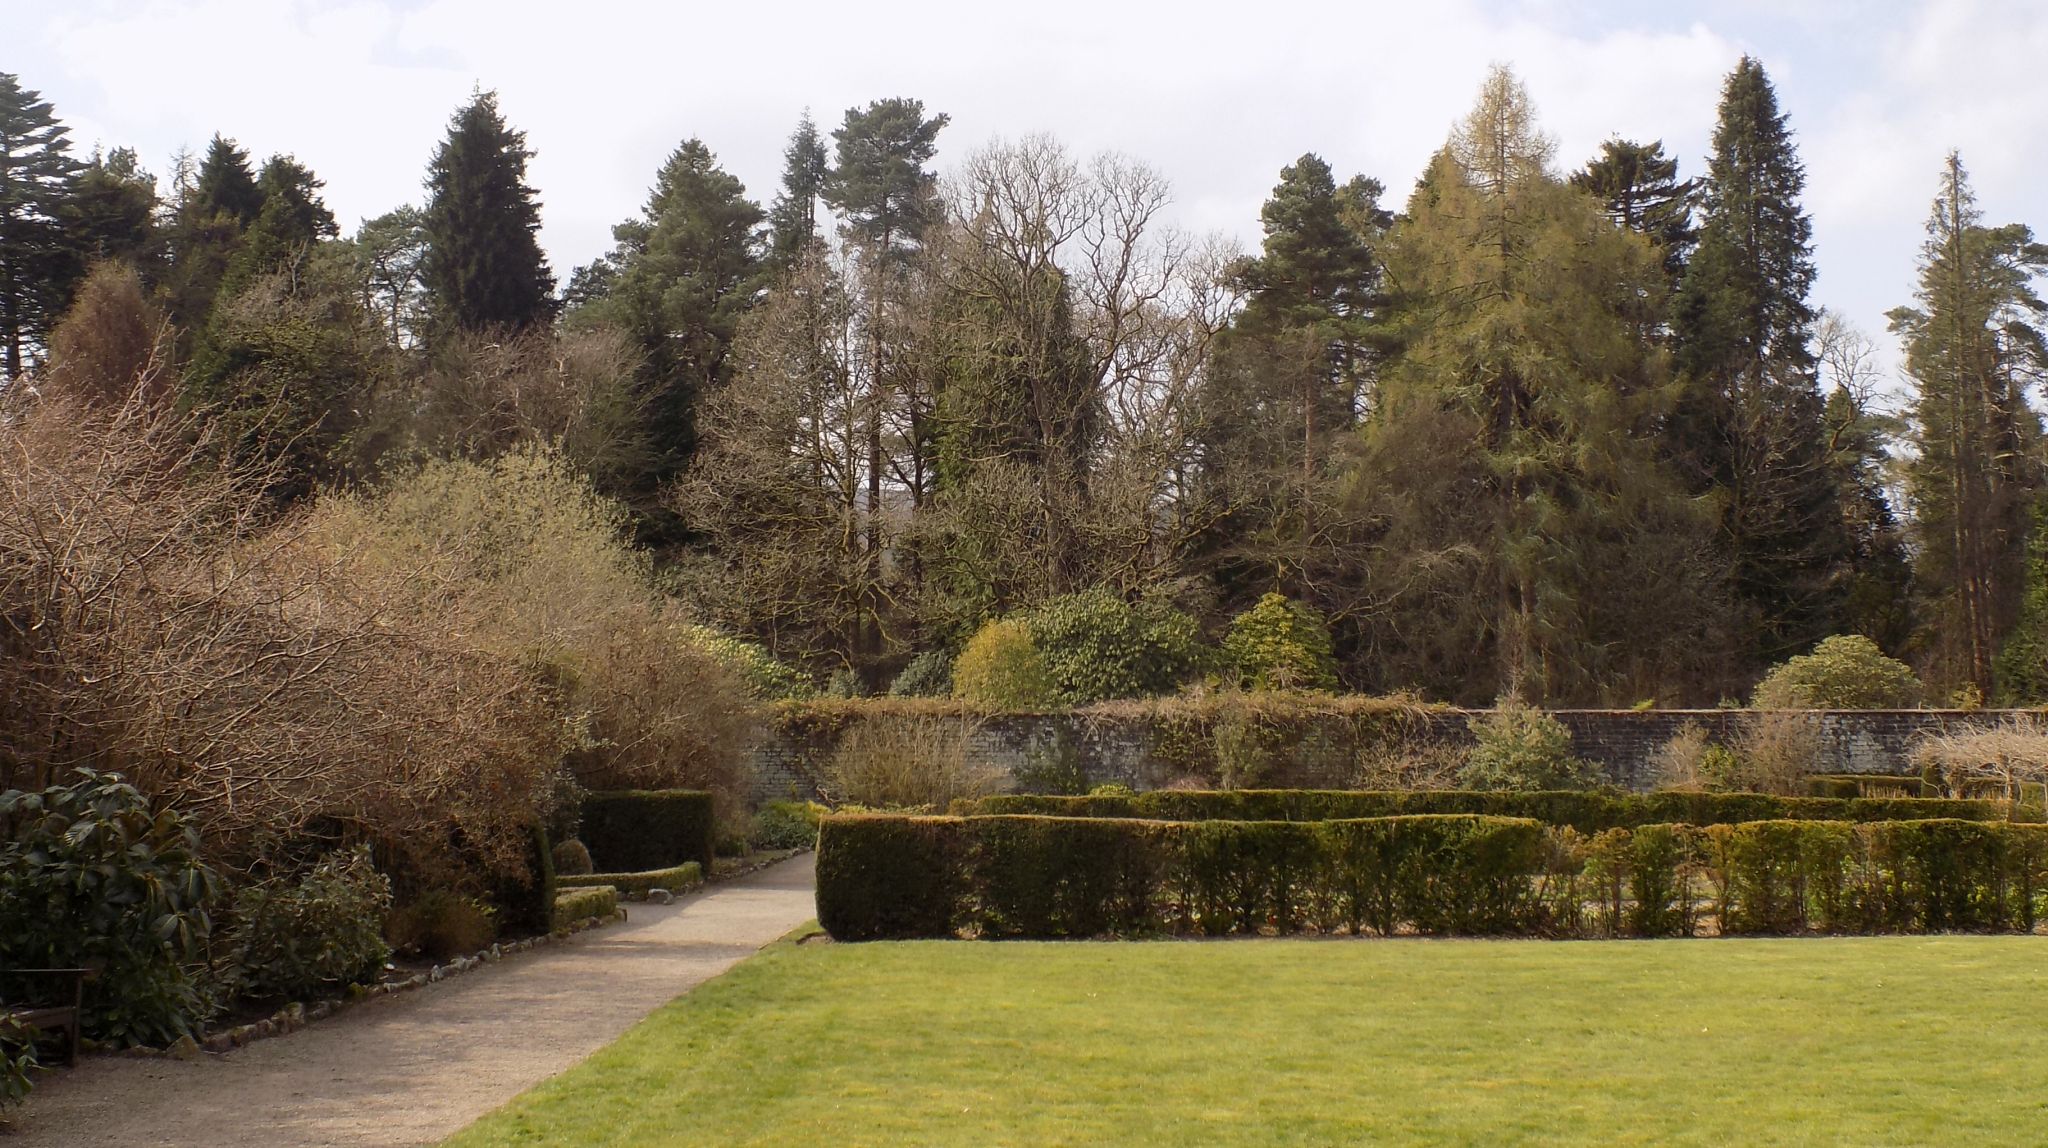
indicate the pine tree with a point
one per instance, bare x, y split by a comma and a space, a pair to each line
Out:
208, 219
484, 266
37, 175
793, 218
1972, 346
112, 212
879, 184
227, 185
1639, 186
291, 220
1749, 427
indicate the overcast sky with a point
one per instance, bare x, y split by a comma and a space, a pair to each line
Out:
1216, 96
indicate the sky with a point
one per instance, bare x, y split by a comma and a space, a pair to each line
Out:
1215, 96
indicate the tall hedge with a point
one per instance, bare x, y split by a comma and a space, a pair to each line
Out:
1587, 812
629, 831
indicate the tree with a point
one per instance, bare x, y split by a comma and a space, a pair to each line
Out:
390, 259
2021, 669
484, 267
793, 218
1974, 344
211, 212
1749, 427
1639, 186
1878, 599
36, 179
292, 219
112, 211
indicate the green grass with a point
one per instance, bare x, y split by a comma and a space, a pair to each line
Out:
1879, 1040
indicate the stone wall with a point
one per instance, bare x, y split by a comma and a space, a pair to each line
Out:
1150, 747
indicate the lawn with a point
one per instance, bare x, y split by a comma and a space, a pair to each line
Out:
1867, 1040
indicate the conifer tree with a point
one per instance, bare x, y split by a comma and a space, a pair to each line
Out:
2021, 668
1749, 427
36, 179
1973, 345
484, 266
209, 218
112, 211
1639, 186
291, 220
793, 218
879, 184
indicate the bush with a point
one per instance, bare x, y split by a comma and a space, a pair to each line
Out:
92, 876
635, 830
306, 938
572, 859
1845, 672
441, 924
928, 675
1520, 747
676, 879
1097, 646
17, 1062
1774, 752
885, 876
765, 677
573, 905
1001, 668
916, 762
1280, 645
787, 825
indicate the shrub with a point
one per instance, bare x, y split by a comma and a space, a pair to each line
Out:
441, 924
1681, 762
1054, 768
887, 876
92, 876
1097, 646
1280, 645
305, 938
1845, 672
17, 1062
915, 762
573, 905
765, 677
676, 879
1774, 752
1520, 747
787, 825
928, 675
572, 859
1001, 668
635, 830
2012, 755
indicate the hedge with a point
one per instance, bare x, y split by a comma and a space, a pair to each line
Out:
1587, 812
675, 879
1009, 875
574, 905
631, 831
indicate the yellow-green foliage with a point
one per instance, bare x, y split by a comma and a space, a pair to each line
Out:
1002, 668
1281, 645
1097, 646
1845, 672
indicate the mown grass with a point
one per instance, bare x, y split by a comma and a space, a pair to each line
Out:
1877, 1040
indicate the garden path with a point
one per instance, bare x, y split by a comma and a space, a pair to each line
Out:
412, 1068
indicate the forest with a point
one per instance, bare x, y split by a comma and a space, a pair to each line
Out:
1561, 430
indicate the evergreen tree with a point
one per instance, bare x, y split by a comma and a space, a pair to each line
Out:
227, 185
1639, 186
112, 212
879, 184
209, 217
1750, 423
1973, 345
484, 266
793, 218
291, 220
2021, 668
1877, 601
36, 179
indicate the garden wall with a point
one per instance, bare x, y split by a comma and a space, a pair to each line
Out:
1148, 745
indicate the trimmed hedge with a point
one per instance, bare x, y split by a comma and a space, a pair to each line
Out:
676, 879
1587, 812
635, 830
572, 905
883, 876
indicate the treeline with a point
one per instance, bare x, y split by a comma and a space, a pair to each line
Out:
1569, 435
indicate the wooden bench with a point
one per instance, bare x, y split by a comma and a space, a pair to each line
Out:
51, 1008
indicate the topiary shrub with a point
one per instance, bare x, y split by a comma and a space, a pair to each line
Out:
676, 879
92, 877
1520, 747
306, 938
580, 904
1098, 647
572, 859
638, 829
787, 825
1280, 645
1001, 668
928, 675
1845, 672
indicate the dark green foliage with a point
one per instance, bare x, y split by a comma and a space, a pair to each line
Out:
524, 901
676, 879
1097, 646
1639, 186
879, 184
573, 905
881, 877
2021, 670
92, 877
484, 267
312, 936
17, 1062
226, 184
36, 176
1586, 812
634, 830
928, 675
111, 213
206, 231
292, 219
793, 218
786, 825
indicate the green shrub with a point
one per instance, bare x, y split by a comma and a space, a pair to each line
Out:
1097, 647
1002, 668
787, 825
883, 876
1280, 645
1520, 747
1053, 768
583, 902
306, 938
1845, 672
17, 1062
676, 879
572, 859
928, 675
637, 829
441, 924
766, 678
91, 876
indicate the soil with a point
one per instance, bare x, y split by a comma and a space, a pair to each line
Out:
412, 1068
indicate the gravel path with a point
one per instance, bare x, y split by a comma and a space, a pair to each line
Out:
414, 1067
